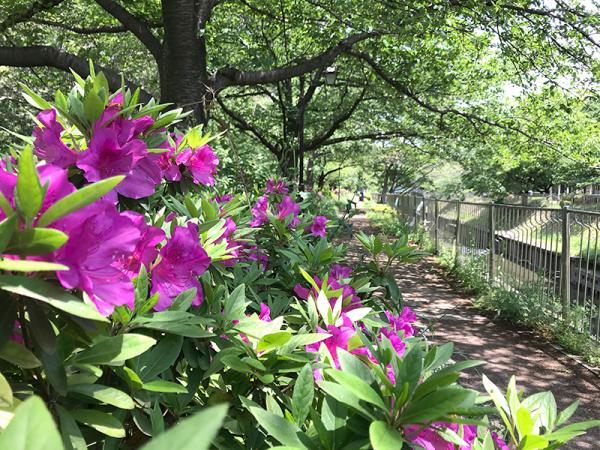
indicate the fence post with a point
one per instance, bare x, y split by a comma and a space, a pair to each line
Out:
457, 243
565, 259
423, 211
436, 214
492, 231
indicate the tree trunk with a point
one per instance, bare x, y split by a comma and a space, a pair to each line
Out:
384, 187
310, 173
184, 78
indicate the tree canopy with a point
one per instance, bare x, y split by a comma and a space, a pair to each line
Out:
506, 87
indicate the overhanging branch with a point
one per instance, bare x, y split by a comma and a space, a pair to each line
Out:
230, 76
23, 15
137, 26
45, 56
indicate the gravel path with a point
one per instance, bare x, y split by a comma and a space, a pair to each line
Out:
451, 317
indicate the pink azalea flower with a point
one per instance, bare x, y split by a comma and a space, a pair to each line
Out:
338, 272
182, 261
223, 198
288, 207
499, 442
17, 334
265, 313
317, 228
170, 217
99, 239
48, 144
276, 187
167, 163
106, 157
429, 439
145, 251
403, 322
259, 212
202, 164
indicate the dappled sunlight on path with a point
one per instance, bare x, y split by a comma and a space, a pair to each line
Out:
449, 316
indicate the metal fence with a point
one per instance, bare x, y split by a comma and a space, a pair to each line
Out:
549, 254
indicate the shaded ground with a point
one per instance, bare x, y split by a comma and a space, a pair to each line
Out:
450, 317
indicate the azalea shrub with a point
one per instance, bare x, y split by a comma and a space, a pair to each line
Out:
145, 308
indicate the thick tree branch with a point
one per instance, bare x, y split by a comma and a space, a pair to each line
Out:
381, 136
137, 26
100, 29
23, 15
45, 56
230, 76
244, 125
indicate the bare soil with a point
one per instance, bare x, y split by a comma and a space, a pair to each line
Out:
449, 316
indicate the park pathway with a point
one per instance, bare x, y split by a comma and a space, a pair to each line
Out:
449, 316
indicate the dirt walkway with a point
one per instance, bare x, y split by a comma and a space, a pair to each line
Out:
451, 317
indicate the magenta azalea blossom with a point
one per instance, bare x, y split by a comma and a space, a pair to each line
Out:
259, 212
276, 187
265, 313
429, 439
48, 143
403, 322
167, 163
223, 198
499, 442
317, 228
99, 239
338, 272
286, 208
202, 164
182, 261
145, 251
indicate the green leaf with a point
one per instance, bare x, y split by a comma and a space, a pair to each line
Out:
115, 349
5, 206
31, 428
71, 434
235, 304
158, 359
78, 199
437, 404
35, 241
358, 387
7, 228
566, 413
384, 437
19, 355
343, 395
6, 394
193, 433
21, 265
92, 106
524, 422
49, 293
165, 386
273, 341
102, 422
277, 427
33, 99
303, 395
29, 193
104, 394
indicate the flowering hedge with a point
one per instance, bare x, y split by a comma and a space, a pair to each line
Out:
144, 308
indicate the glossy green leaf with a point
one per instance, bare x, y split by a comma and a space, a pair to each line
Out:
22, 265
7, 228
19, 355
384, 437
358, 387
49, 293
167, 387
69, 430
35, 241
104, 394
193, 433
115, 349
29, 193
78, 199
31, 428
100, 421
303, 394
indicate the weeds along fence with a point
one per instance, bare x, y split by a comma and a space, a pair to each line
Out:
551, 253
